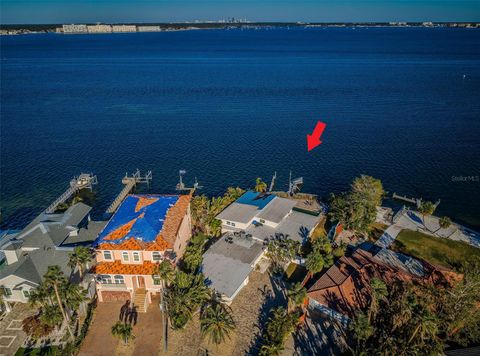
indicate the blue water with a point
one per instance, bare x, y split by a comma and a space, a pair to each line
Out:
229, 106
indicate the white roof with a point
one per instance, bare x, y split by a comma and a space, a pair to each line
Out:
241, 213
276, 210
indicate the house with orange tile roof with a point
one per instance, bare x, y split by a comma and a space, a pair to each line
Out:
145, 230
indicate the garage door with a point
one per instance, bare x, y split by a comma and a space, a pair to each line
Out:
115, 296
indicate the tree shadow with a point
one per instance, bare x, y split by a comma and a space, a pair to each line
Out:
318, 335
273, 298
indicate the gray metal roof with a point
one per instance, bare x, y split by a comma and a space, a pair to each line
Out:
227, 265
276, 210
238, 212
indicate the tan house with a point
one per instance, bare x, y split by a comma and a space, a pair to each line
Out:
145, 230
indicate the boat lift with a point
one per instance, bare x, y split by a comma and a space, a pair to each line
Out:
83, 181
181, 185
130, 182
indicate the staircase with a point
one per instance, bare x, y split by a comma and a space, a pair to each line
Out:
140, 300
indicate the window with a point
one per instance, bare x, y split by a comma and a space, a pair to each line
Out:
156, 256
26, 293
119, 279
156, 280
7, 291
136, 256
107, 255
105, 279
125, 256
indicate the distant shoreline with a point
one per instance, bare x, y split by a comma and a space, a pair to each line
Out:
89, 28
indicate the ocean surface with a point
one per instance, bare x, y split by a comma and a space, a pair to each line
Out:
400, 104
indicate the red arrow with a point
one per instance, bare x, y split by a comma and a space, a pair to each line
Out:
313, 140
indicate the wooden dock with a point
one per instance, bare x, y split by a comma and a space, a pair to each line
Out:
130, 182
414, 201
83, 181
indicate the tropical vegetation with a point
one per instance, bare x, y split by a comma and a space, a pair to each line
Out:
426, 208
186, 294
123, 331
281, 250
356, 209
216, 320
57, 301
79, 259
204, 210
321, 255
279, 326
192, 258
260, 185
404, 318
297, 294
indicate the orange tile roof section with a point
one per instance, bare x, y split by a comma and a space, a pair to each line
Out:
121, 231
116, 267
143, 202
167, 236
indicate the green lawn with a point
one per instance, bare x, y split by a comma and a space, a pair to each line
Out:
438, 251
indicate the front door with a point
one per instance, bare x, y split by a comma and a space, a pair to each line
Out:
141, 282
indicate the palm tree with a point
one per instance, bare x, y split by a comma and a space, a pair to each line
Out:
362, 331
40, 296
233, 194
444, 222
271, 349
260, 186
426, 208
55, 278
122, 331
297, 294
51, 316
216, 321
379, 292
427, 327
73, 295
215, 228
79, 258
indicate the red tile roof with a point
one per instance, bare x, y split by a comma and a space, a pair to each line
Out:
116, 267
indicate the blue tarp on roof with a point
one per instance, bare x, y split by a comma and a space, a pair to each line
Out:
259, 200
149, 221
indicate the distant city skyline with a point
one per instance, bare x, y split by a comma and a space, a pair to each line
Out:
77, 11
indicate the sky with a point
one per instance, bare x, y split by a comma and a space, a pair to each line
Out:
111, 11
